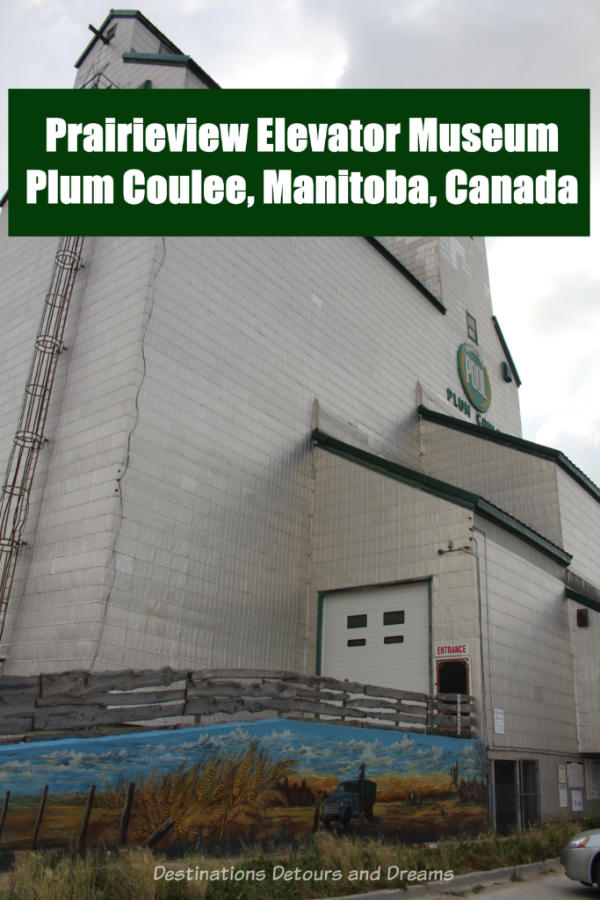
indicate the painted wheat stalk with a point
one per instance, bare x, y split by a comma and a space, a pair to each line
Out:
215, 799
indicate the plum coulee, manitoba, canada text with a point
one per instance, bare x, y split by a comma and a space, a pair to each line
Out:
288, 187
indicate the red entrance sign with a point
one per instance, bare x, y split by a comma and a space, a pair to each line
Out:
451, 650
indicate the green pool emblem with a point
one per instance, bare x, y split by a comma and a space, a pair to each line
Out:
474, 377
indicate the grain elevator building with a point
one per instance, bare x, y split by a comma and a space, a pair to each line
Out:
305, 454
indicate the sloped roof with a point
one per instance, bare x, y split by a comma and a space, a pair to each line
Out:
515, 443
175, 54
506, 351
445, 491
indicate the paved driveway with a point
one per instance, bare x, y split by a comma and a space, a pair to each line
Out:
534, 886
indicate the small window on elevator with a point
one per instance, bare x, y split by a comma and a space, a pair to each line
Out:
472, 328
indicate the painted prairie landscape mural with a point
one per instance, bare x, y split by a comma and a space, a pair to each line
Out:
267, 780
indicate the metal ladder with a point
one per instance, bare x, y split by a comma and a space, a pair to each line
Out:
29, 437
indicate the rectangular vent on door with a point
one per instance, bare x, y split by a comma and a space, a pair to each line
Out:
395, 617
357, 642
394, 639
358, 621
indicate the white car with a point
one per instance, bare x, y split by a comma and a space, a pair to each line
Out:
581, 858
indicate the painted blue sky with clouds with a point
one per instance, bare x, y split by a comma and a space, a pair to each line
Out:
72, 765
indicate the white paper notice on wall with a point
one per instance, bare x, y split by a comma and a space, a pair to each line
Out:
576, 801
592, 779
499, 721
563, 795
575, 776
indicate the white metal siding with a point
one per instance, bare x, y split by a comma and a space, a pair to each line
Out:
171, 515
398, 665
520, 483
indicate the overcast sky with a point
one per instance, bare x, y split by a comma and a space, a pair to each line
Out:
546, 291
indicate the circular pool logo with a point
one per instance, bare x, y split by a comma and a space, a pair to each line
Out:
474, 377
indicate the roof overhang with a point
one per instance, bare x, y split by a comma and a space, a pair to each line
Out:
515, 443
444, 491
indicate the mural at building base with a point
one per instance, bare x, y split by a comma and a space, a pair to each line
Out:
267, 780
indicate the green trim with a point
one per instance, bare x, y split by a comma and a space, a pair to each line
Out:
515, 443
128, 14
164, 40
407, 273
160, 59
444, 491
507, 353
170, 59
581, 598
319, 633
400, 473
489, 511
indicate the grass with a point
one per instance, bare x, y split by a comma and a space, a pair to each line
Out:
129, 875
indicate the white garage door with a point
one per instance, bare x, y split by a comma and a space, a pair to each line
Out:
378, 636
